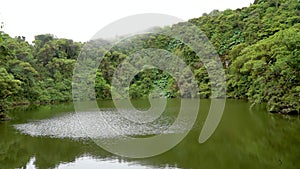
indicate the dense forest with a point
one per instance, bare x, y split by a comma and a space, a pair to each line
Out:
259, 47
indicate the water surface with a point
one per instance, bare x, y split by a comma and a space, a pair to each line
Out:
52, 137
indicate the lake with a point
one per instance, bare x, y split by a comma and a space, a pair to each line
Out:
50, 137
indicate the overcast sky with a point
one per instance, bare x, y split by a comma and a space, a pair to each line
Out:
81, 19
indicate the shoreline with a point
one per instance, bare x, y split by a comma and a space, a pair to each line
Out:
5, 117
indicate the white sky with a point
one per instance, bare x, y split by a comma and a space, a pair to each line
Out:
81, 19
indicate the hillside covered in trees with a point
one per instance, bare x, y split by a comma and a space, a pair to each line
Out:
259, 46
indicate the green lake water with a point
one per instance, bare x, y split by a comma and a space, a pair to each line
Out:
49, 137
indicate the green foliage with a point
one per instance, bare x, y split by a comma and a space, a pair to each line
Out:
41, 73
9, 86
269, 71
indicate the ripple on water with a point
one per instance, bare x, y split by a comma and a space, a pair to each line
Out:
98, 124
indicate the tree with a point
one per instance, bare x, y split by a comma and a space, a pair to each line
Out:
8, 87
